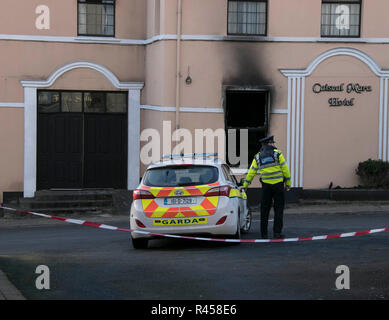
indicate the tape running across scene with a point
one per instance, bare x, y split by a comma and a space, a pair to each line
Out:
112, 228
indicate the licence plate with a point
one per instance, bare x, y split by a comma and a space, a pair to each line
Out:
178, 201
179, 222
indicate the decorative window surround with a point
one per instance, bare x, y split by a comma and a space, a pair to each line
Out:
296, 97
30, 122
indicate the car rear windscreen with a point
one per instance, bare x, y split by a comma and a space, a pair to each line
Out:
179, 176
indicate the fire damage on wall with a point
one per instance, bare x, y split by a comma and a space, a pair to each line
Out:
247, 99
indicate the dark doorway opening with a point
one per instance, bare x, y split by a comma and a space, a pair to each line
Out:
247, 109
82, 140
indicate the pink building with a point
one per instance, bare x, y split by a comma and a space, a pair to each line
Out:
81, 80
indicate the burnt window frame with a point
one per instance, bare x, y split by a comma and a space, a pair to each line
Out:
268, 89
98, 2
340, 2
249, 34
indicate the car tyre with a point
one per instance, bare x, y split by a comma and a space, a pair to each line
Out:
238, 228
247, 225
139, 243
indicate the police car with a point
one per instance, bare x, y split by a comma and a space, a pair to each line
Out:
194, 194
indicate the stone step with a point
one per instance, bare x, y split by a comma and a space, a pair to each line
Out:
62, 212
64, 202
47, 195
78, 210
37, 203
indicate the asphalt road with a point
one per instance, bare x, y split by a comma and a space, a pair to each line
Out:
88, 263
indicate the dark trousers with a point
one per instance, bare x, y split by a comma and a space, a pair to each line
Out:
272, 193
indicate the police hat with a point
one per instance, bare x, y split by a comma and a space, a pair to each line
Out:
269, 139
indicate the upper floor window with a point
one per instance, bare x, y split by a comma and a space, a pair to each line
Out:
340, 18
96, 18
247, 17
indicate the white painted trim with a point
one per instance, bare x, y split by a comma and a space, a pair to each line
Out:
158, 108
198, 109
385, 133
205, 110
133, 154
298, 105
295, 129
302, 133
288, 124
103, 40
23, 37
182, 109
279, 111
11, 104
30, 139
164, 37
380, 134
82, 64
161, 37
80, 39
369, 61
293, 136
30, 121
281, 39
88, 39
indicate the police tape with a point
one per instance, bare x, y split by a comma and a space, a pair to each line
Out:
112, 228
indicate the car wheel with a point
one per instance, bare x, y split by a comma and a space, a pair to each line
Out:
237, 234
247, 224
139, 243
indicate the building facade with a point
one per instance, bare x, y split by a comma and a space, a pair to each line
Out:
83, 82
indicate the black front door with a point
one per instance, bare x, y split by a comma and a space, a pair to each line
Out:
82, 140
60, 151
105, 151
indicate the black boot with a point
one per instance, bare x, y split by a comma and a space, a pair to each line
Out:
279, 236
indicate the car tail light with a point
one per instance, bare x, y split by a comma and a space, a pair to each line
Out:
221, 220
140, 224
142, 194
218, 192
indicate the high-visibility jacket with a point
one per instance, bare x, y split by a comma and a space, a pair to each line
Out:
271, 173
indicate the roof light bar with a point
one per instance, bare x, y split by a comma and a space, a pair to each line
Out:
189, 155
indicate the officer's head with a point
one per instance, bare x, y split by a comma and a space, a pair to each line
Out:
267, 141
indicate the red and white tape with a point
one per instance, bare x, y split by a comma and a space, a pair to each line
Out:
108, 227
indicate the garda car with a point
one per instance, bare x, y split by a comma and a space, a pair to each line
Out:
194, 194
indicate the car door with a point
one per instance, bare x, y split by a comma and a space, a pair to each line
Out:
234, 184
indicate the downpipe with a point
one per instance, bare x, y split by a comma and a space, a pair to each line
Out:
178, 62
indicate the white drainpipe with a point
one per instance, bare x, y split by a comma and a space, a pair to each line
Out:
178, 60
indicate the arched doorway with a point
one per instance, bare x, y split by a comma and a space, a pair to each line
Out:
31, 91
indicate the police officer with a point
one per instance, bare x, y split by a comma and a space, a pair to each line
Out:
275, 177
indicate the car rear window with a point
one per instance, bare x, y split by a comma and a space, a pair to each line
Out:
178, 176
